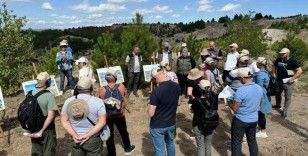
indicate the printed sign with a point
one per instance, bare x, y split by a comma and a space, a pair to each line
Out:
102, 72
147, 69
2, 106
30, 85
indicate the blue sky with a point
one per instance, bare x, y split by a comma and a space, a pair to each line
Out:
42, 14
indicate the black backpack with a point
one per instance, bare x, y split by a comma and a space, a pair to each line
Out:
273, 88
30, 114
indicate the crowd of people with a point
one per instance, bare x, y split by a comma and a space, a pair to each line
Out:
90, 120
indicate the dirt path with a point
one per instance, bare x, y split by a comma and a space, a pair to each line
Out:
286, 137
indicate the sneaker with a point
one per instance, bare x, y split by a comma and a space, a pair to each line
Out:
61, 92
284, 114
72, 91
276, 106
261, 135
130, 150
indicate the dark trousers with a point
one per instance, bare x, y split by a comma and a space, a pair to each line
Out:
46, 145
69, 76
183, 82
122, 128
225, 73
133, 82
238, 129
261, 120
92, 147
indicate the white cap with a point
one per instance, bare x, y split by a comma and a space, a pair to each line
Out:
204, 84
63, 43
244, 51
244, 72
209, 61
43, 76
155, 71
184, 45
82, 60
284, 50
233, 45
84, 83
261, 60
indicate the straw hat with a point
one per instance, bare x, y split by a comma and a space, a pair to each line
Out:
43, 76
204, 84
195, 74
78, 109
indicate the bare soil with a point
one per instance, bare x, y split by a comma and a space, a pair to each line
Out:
286, 136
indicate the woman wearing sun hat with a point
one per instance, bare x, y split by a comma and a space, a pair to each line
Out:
262, 79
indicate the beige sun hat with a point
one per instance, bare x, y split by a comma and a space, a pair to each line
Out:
284, 50
209, 61
243, 58
205, 52
63, 43
233, 45
84, 83
195, 74
244, 72
184, 45
78, 109
262, 60
43, 76
244, 52
111, 72
204, 84
82, 60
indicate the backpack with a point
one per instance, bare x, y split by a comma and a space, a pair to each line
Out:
113, 100
273, 87
218, 85
30, 114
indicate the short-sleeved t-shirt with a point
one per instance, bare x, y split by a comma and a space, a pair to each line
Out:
46, 101
284, 66
165, 97
196, 89
96, 108
249, 97
215, 52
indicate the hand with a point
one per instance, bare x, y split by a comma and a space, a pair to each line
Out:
77, 139
37, 134
84, 138
291, 80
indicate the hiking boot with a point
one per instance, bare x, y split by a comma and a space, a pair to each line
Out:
284, 114
130, 150
276, 106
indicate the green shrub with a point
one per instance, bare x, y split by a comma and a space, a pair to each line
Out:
16, 51
49, 62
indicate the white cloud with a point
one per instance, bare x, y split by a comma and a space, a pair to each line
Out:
47, 6
186, 8
103, 7
21, 0
156, 9
125, 1
176, 15
205, 6
158, 17
65, 17
94, 16
231, 7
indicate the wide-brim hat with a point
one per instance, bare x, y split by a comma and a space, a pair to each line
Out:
78, 109
43, 76
195, 74
243, 58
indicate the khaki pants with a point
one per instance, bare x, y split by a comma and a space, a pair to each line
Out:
46, 145
93, 147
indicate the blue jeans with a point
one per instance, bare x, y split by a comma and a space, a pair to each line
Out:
238, 129
69, 76
162, 136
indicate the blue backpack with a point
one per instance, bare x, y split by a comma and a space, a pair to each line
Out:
115, 93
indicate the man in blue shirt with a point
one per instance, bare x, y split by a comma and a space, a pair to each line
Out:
162, 110
245, 104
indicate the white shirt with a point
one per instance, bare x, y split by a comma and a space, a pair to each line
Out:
165, 57
86, 72
136, 65
253, 67
231, 60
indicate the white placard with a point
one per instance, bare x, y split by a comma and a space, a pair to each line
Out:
2, 106
226, 93
102, 72
30, 85
147, 69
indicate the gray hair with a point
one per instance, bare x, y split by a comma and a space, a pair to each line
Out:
109, 78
